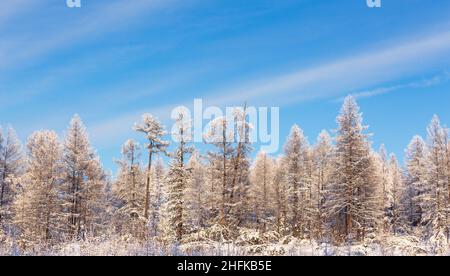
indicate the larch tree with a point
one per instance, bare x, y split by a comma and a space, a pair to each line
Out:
95, 208
386, 188
177, 177
213, 188
415, 181
84, 182
296, 152
397, 191
38, 206
436, 199
353, 201
221, 136
158, 198
196, 193
261, 190
154, 133
240, 179
11, 166
448, 180
280, 196
323, 168
128, 189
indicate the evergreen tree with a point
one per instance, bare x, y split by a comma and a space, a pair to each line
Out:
240, 180
323, 168
416, 182
296, 154
261, 191
158, 198
128, 190
436, 196
396, 210
154, 133
386, 193
177, 177
84, 182
38, 206
11, 166
221, 136
196, 193
353, 199
280, 196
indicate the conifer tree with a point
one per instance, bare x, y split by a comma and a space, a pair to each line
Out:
84, 182
221, 136
154, 133
261, 190
38, 206
128, 190
323, 168
280, 196
435, 199
353, 200
240, 180
386, 188
416, 182
396, 210
296, 151
159, 198
197, 193
11, 166
177, 177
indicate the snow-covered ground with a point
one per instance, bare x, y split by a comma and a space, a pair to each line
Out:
391, 246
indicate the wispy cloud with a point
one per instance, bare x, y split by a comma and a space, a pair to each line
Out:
351, 73
322, 81
101, 19
434, 81
12, 8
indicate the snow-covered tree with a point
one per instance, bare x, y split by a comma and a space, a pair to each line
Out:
84, 182
296, 155
38, 207
11, 165
436, 198
230, 167
280, 196
323, 168
397, 191
352, 202
415, 181
177, 178
447, 169
154, 133
158, 198
95, 208
386, 188
220, 136
261, 190
196, 193
128, 190
240, 179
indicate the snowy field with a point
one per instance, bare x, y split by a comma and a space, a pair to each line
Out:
392, 246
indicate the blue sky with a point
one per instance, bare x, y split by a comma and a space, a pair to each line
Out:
111, 61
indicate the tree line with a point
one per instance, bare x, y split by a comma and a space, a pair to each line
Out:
338, 190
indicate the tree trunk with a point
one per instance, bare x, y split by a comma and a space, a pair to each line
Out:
2, 192
224, 175
147, 188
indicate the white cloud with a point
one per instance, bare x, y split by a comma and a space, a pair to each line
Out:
323, 81
343, 75
13, 8
94, 22
436, 80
